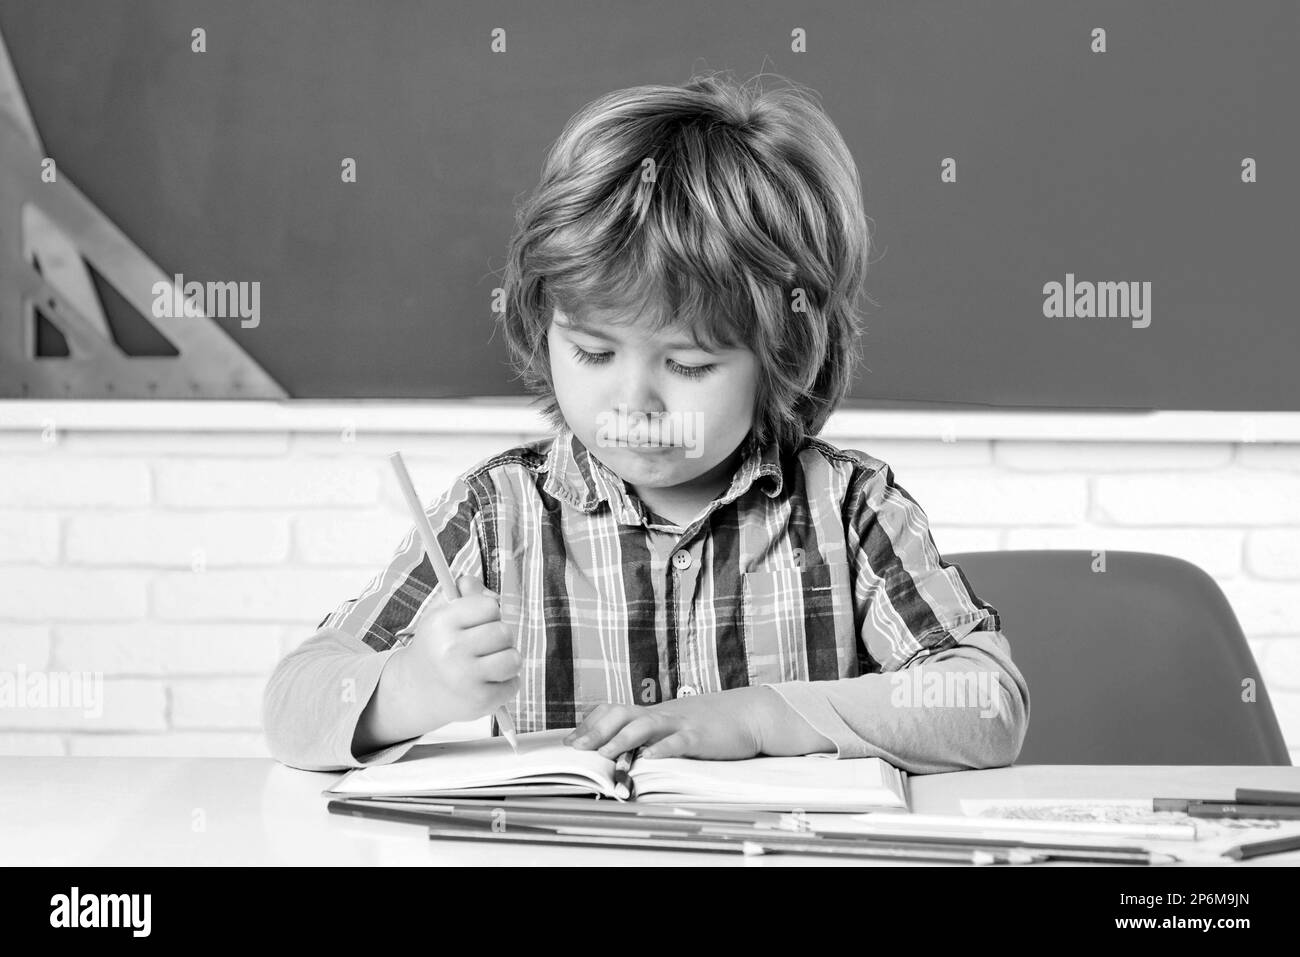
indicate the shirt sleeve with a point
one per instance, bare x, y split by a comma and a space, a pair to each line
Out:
317, 693
939, 690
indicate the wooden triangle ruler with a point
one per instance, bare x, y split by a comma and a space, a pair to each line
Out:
49, 231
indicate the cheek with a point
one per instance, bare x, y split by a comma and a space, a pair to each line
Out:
727, 412
737, 395
575, 393
564, 371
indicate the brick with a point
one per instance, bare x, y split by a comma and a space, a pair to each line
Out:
433, 474
348, 538
62, 594
1264, 608
1274, 553
1269, 455
277, 483
108, 705
1100, 457
224, 703
28, 441
1216, 551
1281, 664
905, 455
56, 480
430, 477
29, 537
179, 649
32, 745
951, 539
28, 645
1259, 648
155, 445
291, 637
973, 497
1287, 707
1237, 498
457, 449
275, 595
178, 539
198, 744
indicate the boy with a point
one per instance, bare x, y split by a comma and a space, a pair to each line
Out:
682, 566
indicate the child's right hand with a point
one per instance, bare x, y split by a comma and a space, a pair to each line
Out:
461, 658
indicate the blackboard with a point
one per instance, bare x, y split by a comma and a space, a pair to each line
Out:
1115, 166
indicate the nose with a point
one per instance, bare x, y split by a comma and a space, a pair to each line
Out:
641, 391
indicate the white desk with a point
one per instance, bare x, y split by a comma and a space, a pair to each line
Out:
223, 811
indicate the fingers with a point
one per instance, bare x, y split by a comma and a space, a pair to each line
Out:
679, 744
601, 723
615, 728
486, 639
466, 586
640, 730
470, 610
470, 585
489, 694
502, 666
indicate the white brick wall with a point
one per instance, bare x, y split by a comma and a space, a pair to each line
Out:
179, 566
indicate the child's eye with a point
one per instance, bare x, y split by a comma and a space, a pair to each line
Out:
600, 358
693, 372
593, 358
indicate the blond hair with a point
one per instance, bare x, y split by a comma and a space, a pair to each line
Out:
746, 226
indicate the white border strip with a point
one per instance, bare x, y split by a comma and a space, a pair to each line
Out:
514, 416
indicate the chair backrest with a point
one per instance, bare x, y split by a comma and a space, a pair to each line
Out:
1142, 663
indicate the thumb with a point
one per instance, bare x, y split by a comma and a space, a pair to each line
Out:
472, 585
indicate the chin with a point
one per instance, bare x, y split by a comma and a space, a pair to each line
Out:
655, 471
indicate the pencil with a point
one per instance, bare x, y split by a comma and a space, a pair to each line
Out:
577, 822
1258, 796
593, 806
662, 841
623, 786
1272, 811
445, 578
1277, 845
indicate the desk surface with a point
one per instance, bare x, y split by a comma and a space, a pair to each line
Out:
236, 811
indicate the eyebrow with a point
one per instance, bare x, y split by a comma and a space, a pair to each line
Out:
572, 326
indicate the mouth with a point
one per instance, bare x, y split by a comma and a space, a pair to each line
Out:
649, 448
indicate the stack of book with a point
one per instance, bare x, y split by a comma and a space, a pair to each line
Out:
550, 793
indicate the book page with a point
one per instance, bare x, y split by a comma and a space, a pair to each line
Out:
483, 763
806, 781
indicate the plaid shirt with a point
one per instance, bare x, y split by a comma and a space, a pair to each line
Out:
811, 567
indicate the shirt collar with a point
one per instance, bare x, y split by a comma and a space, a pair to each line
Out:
579, 478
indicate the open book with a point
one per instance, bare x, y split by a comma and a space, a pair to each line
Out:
487, 768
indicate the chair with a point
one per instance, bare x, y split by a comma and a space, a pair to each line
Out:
1142, 663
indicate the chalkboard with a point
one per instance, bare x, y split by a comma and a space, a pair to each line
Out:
1072, 165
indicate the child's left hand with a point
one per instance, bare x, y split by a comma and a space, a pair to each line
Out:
719, 726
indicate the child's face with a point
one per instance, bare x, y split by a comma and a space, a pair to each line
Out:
660, 389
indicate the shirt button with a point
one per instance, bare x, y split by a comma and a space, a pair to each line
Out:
684, 690
682, 559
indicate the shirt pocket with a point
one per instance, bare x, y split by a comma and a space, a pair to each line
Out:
798, 624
